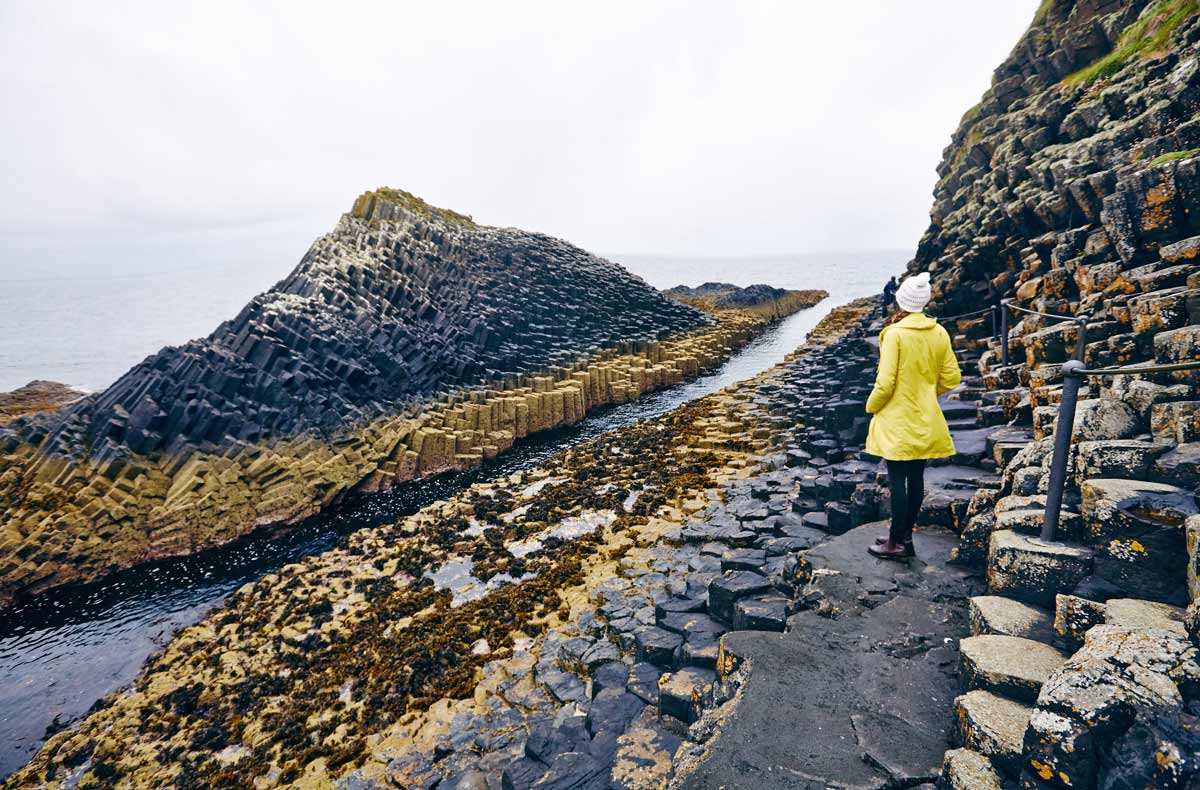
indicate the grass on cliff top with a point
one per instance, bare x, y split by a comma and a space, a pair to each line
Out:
365, 205
1043, 12
1149, 34
1172, 156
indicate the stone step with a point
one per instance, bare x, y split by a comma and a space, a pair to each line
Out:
1137, 613
1137, 527
726, 590
1023, 567
684, 694
1008, 665
994, 726
1009, 435
963, 769
966, 394
1003, 378
995, 614
816, 520
1027, 514
953, 409
994, 415
970, 444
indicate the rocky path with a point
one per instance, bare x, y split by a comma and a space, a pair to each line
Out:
857, 693
859, 690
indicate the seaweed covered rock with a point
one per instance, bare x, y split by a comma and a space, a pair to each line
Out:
34, 398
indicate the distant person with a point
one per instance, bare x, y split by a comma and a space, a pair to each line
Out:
916, 365
889, 292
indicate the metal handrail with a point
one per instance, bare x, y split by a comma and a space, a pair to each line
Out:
1055, 316
1130, 369
1081, 319
1074, 372
964, 315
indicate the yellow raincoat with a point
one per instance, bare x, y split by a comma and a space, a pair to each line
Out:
916, 365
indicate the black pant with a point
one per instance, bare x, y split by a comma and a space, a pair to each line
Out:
906, 481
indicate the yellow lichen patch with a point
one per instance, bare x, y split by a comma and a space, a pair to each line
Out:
1042, 769
1159, 199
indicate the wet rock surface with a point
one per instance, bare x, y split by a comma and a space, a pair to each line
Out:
547, 630
865, 679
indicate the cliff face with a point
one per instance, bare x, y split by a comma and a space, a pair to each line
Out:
339, 378
1077, 167
1073, 188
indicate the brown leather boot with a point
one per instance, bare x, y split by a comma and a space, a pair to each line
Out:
892, 551
908, 545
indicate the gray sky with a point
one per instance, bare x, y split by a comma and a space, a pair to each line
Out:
152, 136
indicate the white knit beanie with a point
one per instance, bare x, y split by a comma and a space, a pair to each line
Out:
913, 294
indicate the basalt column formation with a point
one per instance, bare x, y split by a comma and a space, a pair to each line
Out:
409, 341
559, 628
1073, 189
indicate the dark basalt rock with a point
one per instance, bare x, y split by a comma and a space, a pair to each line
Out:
613, 675
522, 773
548, 740
657, 646
725, 591
400, 301
727, 294
643, 682
408, 342
612, 710
761, 614
575, 771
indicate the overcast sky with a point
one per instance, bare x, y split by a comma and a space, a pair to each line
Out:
150, 136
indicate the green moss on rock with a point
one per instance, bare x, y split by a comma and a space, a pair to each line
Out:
366, 204
1148, 35
1172, 156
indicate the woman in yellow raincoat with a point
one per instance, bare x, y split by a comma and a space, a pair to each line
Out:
916, 365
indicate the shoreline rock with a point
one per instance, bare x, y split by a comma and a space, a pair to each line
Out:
472, 619
80, 500
758, 299
36, 397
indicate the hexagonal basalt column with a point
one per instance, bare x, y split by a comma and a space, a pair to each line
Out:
1026, 568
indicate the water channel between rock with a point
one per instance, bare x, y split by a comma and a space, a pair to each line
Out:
60, 653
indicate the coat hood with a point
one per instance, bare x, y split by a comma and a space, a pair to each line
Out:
913, 321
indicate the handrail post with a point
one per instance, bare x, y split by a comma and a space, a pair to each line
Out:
995, 325
1072, 378
1081, 325
1004, 333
